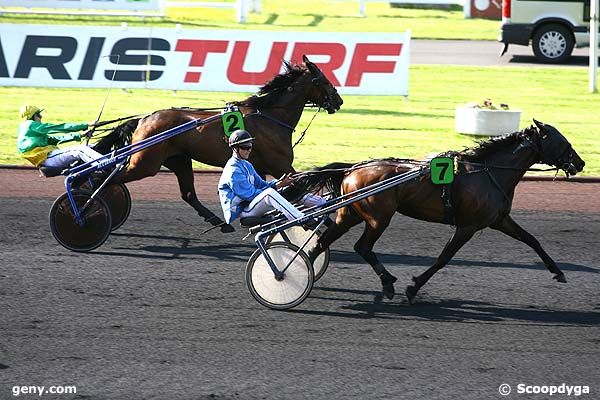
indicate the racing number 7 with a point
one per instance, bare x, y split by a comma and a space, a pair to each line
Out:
442, 171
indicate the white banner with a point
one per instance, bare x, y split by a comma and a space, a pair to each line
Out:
78, 56
133, 5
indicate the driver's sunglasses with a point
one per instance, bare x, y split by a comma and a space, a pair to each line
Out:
248, 148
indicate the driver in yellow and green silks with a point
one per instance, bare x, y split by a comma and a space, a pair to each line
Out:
38, 141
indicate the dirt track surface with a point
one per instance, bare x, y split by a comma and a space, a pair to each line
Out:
530, 195
161, 312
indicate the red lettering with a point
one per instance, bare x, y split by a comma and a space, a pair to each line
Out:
235, 70
360, 63
199, 50
335, 51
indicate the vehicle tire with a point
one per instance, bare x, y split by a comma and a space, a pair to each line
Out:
553, 43
66, 230
297, 235
281, 294
118, 199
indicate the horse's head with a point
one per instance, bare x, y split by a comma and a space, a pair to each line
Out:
322, 93
554, 149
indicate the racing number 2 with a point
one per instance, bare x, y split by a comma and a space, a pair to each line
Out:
232, 121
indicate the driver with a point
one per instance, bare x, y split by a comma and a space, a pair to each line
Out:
243, 193
38, 142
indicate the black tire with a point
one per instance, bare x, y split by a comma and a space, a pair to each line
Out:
66, 230
553, 43
118, 199
279, 294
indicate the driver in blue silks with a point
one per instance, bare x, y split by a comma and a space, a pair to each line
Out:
243, 193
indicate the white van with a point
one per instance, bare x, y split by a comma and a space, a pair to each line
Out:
553, 27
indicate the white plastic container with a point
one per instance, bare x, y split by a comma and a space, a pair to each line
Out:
480, 121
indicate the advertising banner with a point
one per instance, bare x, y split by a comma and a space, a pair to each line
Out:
82, 56
133, 5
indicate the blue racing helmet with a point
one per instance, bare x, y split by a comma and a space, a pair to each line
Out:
238, 137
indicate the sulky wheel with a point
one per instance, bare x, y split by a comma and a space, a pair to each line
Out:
298, 235
118, 199
280, 294
66, 230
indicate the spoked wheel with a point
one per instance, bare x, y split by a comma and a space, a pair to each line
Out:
118, 199
297, 235
66, 230
285, 293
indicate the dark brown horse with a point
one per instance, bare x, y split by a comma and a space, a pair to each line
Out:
270, 116
482, 195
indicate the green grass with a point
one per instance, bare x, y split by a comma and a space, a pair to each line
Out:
307, 15
366, 126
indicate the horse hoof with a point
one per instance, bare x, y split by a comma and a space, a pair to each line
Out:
411, 293
227, 228
378, 298
560, 278
389, 291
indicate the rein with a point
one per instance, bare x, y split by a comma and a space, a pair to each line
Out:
273, 119
301, 138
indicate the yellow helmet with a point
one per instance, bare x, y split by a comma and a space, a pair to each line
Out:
28, 111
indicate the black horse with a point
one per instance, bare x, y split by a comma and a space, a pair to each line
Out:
482, 195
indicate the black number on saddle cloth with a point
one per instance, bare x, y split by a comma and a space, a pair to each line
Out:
442, 170
232, 121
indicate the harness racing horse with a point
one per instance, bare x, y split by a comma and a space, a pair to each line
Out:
270, 116
482, 191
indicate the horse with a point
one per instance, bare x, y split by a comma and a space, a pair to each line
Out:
270, 116
482, 194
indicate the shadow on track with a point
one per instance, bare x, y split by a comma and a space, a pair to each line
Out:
350, 257
450, 310
221, 252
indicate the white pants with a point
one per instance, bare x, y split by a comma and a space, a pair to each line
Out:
63, 158
269, 199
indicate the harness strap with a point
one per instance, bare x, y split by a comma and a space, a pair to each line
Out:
270, 118
448, 202
495, 182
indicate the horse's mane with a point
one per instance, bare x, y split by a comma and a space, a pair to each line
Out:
330, 176
270, 92
119, 137
485, 148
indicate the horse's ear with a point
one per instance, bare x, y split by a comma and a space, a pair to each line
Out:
539, 124
311, 67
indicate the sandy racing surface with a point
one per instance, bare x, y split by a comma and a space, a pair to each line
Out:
161, 312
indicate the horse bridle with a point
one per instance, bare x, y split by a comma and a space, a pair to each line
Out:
330, 90
561, 158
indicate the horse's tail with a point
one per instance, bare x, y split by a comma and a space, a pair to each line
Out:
119, 137
329, 176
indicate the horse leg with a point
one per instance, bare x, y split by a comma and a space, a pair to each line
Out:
461, 236
182, 167
343, 222
508, 226
364, 247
